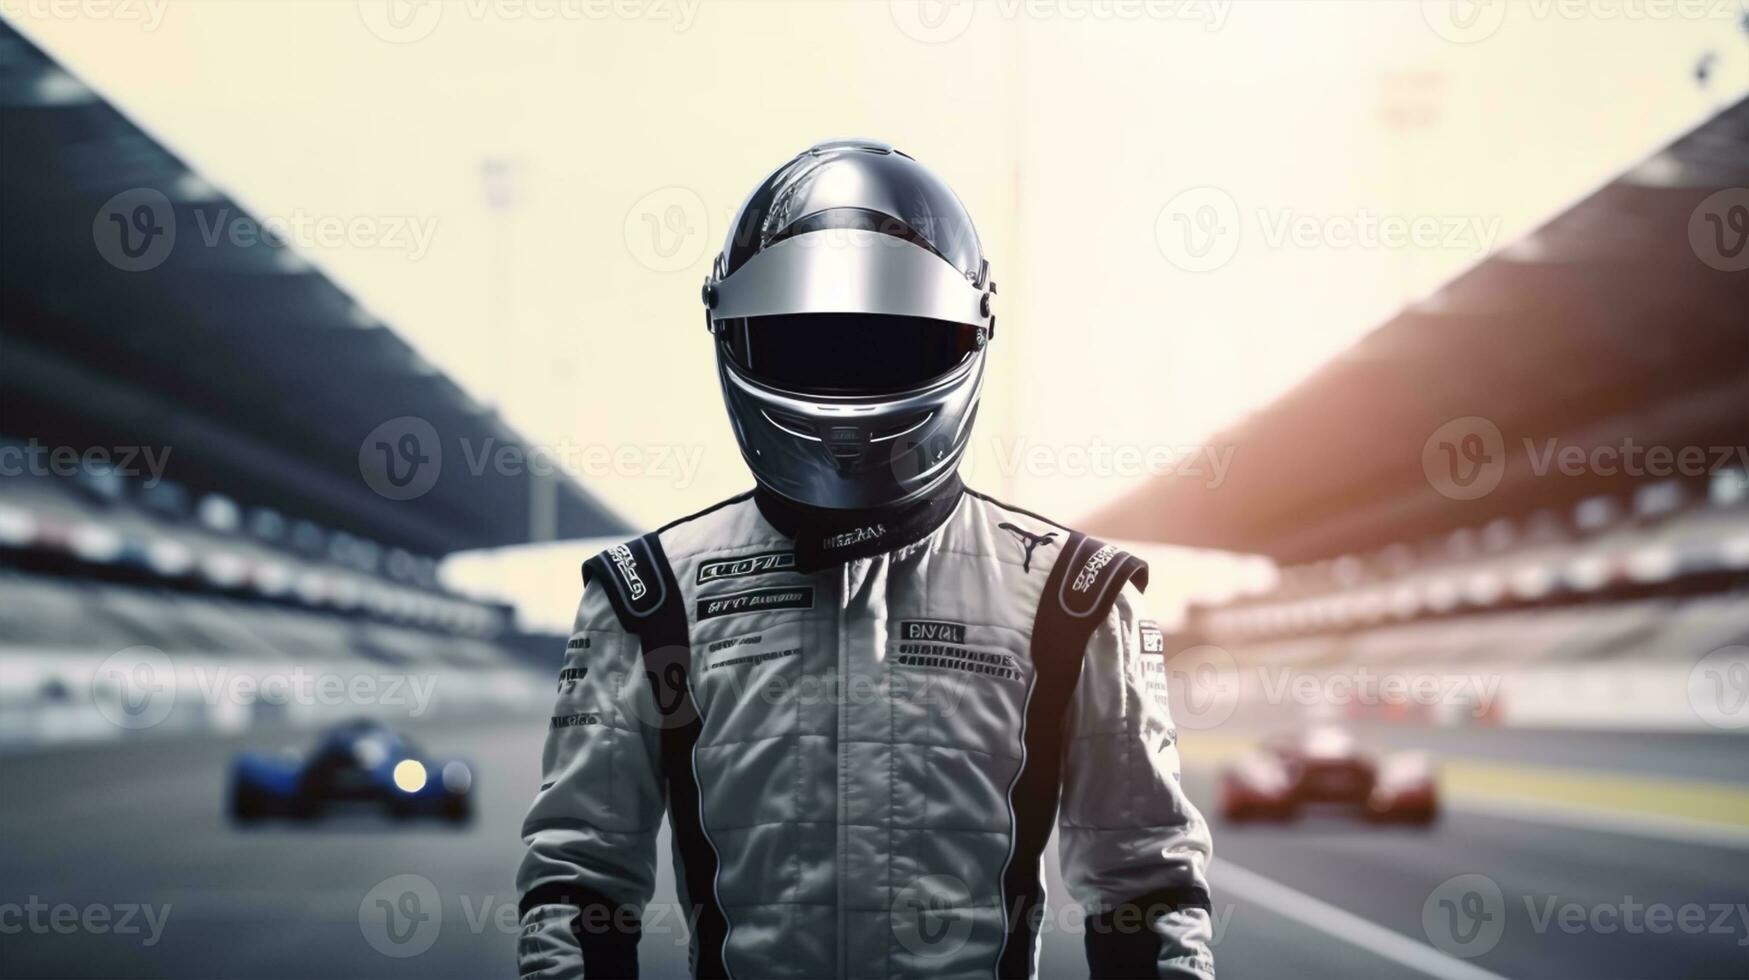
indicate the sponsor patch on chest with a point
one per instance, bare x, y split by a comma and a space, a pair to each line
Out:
757, 600
739, 653
937, 644
754, 657
760, 564
932, 629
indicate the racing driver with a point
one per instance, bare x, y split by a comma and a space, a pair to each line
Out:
862, 694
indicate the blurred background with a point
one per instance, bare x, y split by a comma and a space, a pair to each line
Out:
1408, 341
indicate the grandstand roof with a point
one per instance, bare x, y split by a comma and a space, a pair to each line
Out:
1608, 323
262, 375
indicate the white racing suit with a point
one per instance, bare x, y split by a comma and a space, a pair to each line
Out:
863, 736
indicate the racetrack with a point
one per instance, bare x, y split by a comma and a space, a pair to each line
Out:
141, 823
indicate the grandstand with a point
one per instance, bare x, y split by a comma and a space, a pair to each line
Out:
185, 450
1592, 383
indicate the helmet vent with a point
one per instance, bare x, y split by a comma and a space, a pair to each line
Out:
909, 423
795, 425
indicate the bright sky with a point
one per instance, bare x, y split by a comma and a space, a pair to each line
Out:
1183, 202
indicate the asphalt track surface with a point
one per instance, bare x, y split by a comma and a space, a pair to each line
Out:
142, 824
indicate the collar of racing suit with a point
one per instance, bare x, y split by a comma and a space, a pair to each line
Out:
826, 538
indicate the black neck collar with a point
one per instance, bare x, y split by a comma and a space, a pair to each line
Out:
825, 538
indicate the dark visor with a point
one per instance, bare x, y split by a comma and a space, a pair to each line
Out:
847, 353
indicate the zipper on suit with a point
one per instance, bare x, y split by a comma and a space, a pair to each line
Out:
843, 830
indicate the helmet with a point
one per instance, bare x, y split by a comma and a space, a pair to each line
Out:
851, 309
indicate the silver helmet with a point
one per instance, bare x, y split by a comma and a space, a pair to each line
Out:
851, 306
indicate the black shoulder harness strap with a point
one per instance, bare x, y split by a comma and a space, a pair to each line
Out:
647, 599
1078, 594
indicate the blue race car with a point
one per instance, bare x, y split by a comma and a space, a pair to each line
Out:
359, 761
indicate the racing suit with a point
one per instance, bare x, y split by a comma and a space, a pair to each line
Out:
862, 732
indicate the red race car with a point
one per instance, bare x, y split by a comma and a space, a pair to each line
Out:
1328, 766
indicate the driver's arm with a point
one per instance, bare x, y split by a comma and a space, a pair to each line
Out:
1134, 849
591, 832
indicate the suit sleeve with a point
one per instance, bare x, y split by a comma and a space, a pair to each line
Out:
590, 864
1135, 850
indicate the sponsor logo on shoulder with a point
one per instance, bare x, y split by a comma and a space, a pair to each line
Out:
760, 564
870, 533
1089, 572
628, 570
1096, 579
636, 577
577, 643
757, 600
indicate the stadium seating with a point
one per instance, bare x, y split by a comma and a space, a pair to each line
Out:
93, 568
1653, 582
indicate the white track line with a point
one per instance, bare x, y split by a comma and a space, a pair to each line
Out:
1344, 925
1680, 830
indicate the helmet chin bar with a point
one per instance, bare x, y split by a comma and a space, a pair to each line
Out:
853, 452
